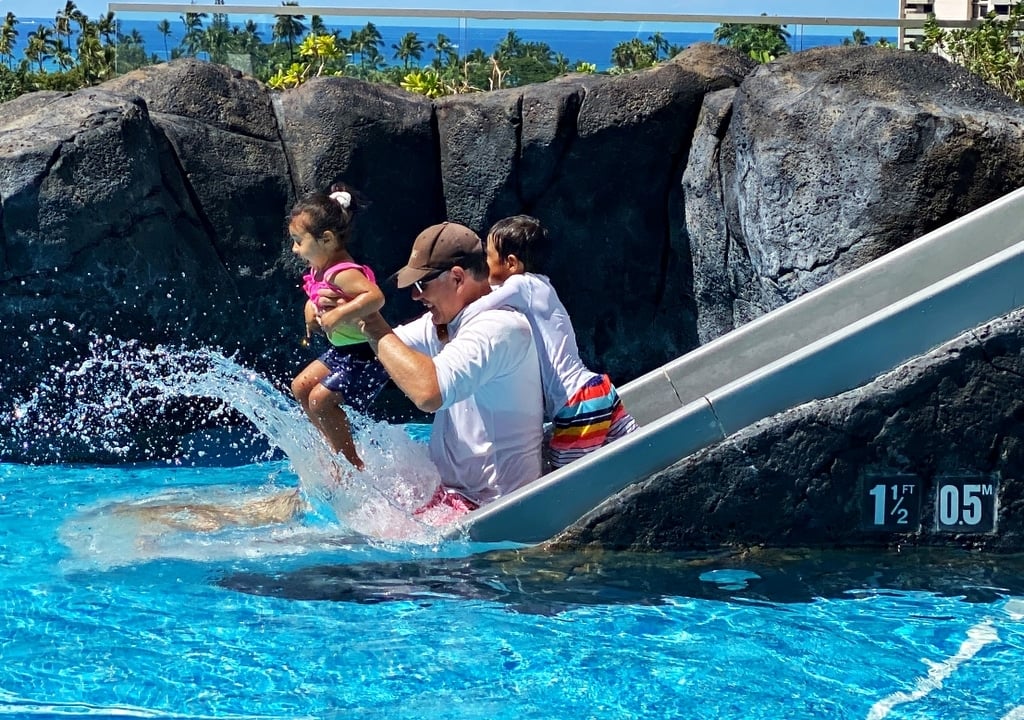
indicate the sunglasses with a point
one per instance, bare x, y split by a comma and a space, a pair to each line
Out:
422, 283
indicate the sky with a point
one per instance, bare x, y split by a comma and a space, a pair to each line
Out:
808, 8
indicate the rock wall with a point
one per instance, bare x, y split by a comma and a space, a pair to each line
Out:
804, 477
152, 208
684, 199
829, 158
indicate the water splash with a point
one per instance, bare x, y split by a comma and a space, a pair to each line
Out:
369, 502
123, 392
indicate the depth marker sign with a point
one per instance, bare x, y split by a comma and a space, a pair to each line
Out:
966, 504
891, 503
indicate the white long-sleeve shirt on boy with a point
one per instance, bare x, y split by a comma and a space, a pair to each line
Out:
562, 371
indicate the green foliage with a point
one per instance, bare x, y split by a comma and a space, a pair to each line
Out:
857, 37
13, 83
86, 52
409, 48
424, 82
516, 62
633, 55
429, 81
762, 42
990, 50
317, 52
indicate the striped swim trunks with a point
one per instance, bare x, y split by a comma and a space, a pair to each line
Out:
592, 417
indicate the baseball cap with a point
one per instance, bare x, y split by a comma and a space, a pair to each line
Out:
436, 249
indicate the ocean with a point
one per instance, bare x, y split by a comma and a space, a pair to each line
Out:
583, 42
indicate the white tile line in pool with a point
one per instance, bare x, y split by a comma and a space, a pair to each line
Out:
1015, 609
978, 636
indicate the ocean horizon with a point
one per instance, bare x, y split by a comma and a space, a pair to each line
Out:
590, 45
580, 44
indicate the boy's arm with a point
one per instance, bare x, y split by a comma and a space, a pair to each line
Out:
367, 298
413, 372
511, 293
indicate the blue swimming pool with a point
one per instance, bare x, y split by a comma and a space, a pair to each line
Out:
108, 610
266, 623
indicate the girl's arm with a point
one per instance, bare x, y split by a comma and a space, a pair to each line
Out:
309, 312
366, 299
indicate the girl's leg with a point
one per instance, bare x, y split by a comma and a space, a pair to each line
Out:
324, 408
308, 379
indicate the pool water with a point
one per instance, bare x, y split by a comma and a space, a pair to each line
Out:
269, 623
114, 603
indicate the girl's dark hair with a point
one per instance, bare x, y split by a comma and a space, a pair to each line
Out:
328, 211
524, 237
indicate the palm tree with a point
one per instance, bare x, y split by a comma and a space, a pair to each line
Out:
633, 55
660, 45
8, 37
374, 60
857, 37
316, 26
443, 46
83, 25
64, 18
372, 36
192, 41
289, 28
346, 47
164, 28
477, 55
410, 47
510, 46
39, 46
95, 60
247, 40
769, 42
252, 36
216, 41
130, 52
220, 19
107, 27
62, 54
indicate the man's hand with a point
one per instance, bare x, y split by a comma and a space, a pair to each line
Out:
413, 372
374, 327
328, 299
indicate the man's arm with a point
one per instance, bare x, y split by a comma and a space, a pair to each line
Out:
413, 372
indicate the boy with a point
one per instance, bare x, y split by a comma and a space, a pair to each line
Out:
583, 406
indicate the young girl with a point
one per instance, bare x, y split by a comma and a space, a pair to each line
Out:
320, 226
583, 406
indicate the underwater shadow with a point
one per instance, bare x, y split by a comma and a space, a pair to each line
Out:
534, 581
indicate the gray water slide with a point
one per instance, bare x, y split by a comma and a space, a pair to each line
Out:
833, 339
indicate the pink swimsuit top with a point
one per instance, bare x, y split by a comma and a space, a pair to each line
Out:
312, 285
345, 334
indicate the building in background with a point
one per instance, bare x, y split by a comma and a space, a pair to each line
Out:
946, 10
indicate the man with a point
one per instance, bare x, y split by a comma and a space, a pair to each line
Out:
476, 369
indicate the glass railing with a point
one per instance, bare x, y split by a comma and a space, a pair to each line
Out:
376, 43
388, 44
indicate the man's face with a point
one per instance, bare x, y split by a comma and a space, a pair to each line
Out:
440, 295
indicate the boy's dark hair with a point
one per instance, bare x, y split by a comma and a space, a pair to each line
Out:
476, 265
329, 211
524, 237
